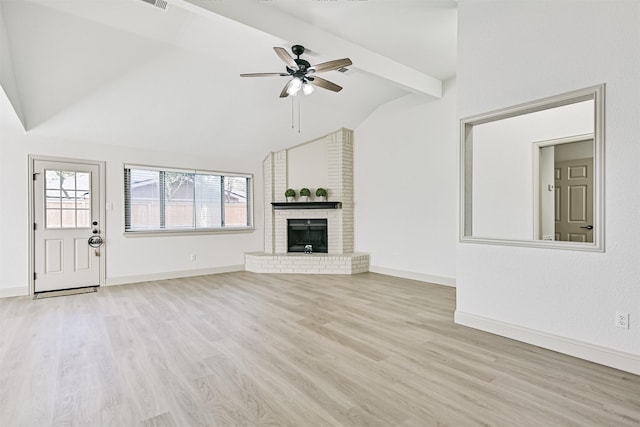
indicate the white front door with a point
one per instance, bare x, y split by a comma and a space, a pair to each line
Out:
66, 213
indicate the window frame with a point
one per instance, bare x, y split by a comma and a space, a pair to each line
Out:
184, 230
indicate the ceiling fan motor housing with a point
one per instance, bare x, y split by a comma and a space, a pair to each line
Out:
302, 64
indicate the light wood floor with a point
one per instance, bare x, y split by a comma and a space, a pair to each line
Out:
244, 349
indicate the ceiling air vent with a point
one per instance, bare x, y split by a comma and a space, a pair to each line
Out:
162, 4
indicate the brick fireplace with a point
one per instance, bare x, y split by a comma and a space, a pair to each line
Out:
337, 149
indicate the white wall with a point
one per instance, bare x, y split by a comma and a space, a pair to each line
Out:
562, 299
7, 75
308, 166
406, 183
127, 258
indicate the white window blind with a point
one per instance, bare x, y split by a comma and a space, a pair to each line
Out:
169, 199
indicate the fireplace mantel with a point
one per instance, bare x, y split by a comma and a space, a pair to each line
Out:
306, 205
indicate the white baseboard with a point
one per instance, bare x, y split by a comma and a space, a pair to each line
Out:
125, 280
628, 362
18, 291
438, 280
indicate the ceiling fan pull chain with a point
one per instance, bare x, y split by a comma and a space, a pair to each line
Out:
298, 116
292, 100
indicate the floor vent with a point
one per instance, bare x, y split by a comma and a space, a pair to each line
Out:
65, 292
162, 4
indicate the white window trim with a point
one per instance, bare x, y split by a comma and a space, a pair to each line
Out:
195, 231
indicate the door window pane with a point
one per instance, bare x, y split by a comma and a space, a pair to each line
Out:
53, 218
53, 199
53, 179
65, 206
83, 181
68, 181
83, 218
68, 218
82, 200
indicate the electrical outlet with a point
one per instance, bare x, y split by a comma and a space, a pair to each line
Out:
193, 257
622, 320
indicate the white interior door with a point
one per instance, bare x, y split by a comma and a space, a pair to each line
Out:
66, 214
574, 200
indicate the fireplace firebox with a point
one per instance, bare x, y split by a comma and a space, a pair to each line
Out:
303, 232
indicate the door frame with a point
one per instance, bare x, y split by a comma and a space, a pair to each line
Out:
101, 210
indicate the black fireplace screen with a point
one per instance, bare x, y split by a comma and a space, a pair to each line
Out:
302, 232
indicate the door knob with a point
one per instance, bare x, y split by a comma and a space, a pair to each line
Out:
95, 241
588, 227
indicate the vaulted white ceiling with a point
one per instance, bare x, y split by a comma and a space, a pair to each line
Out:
124, 72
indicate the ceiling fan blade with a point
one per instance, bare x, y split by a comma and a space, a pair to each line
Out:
263, 74
284, 92
331, 65
286, 58
325, 84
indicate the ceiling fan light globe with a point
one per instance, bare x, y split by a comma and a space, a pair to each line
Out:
296, 83
307, 89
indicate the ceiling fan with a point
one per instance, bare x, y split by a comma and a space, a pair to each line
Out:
302, 73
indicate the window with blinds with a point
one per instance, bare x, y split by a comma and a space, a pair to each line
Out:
163, 199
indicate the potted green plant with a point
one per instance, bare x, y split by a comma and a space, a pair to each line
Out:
321, 194
304, 194
290, 194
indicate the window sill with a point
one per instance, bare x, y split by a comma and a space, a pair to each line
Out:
167, 233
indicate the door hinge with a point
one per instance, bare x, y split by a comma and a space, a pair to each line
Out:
34, 275
35, 175
35, 226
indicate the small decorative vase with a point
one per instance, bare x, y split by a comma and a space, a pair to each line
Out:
322, 198
290, 199
304, 198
